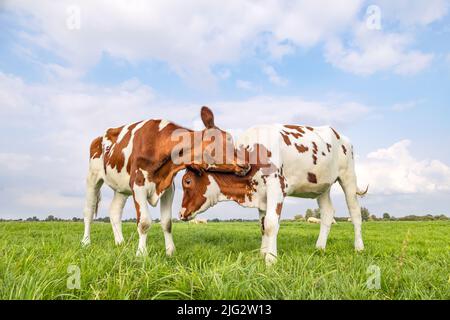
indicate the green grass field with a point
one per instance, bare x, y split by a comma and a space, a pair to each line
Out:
221, 261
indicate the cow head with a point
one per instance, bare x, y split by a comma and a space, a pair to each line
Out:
200, 192
218, 150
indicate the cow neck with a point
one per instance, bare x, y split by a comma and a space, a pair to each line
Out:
235, 187
167, 169
239, 188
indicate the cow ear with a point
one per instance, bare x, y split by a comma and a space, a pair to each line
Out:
207, 117
198, 169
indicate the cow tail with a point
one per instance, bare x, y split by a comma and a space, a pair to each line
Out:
362, 193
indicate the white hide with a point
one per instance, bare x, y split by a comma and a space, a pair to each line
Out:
334, 161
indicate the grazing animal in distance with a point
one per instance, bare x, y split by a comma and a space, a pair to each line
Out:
286, 160
136, 160
198, 221
313, 220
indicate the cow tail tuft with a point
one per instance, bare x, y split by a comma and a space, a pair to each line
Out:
362, 193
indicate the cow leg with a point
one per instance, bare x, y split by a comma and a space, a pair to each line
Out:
140, 195
93, 184
262, 215
166, 219
350, 190
115, 216
326, 219
272, 221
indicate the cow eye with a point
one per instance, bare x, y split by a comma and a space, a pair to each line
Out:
187, 181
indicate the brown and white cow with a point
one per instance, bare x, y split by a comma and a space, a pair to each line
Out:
138, 160
288, 160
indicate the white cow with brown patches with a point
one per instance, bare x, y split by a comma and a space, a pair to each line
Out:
317, 221
137, 160
294, 161
198, 221
313, 220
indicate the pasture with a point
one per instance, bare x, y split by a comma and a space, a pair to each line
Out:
221, 261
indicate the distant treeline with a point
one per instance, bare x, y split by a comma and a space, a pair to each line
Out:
309, 213
367, 216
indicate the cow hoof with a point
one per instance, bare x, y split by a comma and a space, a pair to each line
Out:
170, 251
85, 242
359, 246
270, 259
141, 252
321, 247
119, 242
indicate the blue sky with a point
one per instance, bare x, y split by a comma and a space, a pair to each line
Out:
71, 69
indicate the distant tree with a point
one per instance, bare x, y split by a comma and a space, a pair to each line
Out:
373, 218
104, 219
365, 214
309, 213
34, 218
298, 217
50, 218
386, 216
317, 213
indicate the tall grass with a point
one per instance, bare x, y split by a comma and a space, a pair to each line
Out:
221, 261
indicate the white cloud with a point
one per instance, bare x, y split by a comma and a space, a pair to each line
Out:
193, 37
14, 162
273, 76
413, 12
371, 51
245, 85
276, 49
288, 110
49, 201
224, 74
190, 36
395, 171
413, 62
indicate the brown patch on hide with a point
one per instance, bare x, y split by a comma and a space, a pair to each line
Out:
336, 134
286, 139
344, 149
96, 148
301, 148
312, 178
279, 208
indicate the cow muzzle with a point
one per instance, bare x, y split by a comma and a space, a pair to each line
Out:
183, 215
